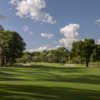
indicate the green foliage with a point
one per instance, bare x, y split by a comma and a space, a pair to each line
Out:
11, 47
84, 50
59, 55
96, 53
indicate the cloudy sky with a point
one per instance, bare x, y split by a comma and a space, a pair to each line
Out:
46, 24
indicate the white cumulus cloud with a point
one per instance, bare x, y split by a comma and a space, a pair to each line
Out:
32, 9
40, 49
98, 21
46, 35
70, 34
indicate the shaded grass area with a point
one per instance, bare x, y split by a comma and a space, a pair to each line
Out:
49, 82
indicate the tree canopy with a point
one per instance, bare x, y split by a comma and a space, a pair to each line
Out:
84, 49
82, 52
11, 47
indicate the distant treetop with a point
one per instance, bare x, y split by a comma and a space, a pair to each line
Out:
1, 28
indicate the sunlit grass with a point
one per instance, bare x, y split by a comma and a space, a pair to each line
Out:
44, 81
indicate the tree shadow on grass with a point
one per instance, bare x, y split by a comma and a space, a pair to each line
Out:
48, 73
84, 79
77, 74
33, 92
36, 92
4, 76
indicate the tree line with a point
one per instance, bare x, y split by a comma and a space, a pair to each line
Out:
12, 48
82, 52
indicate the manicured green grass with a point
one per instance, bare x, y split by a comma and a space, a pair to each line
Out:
49, 82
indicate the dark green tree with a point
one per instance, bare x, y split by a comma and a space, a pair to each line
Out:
62, 55
77, 51
84, 49
88, 47
11, 47
96, 54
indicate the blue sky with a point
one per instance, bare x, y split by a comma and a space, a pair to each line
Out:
52, 23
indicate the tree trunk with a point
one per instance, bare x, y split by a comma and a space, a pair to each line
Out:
1, 61
87, 65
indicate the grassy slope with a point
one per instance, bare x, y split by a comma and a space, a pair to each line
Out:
49, 82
